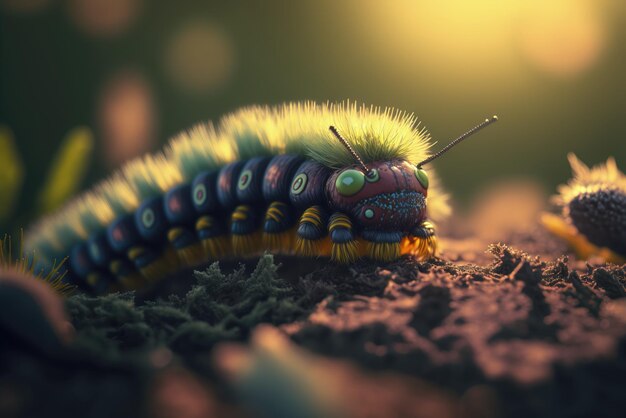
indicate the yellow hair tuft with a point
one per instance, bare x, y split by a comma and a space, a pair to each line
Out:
383, 251
345, 253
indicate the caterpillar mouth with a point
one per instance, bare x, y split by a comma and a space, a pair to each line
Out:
395, 211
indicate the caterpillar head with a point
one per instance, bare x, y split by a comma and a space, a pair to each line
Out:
385, 195
389, 196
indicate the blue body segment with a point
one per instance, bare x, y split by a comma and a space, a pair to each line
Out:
122, 234
148, 256
184, 239
150, 219
215, 230
122, 268
250, 181
99, 249
282, 218
307, 187
80, 262
204, 192
278, 177
381, 236
227, 185
178, 206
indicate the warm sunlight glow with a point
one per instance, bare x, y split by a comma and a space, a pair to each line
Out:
564, 38
483, 44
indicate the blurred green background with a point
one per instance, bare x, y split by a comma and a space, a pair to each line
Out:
133, 73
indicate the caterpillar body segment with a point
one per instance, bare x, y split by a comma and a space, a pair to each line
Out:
263, 179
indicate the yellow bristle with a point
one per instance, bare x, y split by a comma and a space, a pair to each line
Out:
282, 243
119, 194
192, 255
313, 248
166, 263
308, 247
216, 248
152, 174
248, 244
383, 251
200, 148
345, 253
163, 266
422, 248
133, 281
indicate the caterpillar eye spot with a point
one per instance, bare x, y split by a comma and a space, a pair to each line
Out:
422, 177
94, 250
147, 218
299, 183
245, 179
350, 182
372, 176
199, 194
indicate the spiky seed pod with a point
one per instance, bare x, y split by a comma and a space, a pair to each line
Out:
593, 206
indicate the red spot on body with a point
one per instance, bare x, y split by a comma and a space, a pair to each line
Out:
118, 234
174, 204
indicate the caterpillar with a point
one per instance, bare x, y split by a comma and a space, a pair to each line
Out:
333, 180
593, 211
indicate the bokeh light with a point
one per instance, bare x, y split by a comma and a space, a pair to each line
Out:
24, 6
126, 117
199, 57
104, 18
562, 37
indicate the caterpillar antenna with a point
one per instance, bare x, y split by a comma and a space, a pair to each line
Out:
467, 134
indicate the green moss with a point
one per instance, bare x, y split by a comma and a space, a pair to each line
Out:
219, 307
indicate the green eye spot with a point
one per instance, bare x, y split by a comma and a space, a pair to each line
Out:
369, 213
299, 183
373, 176
350, 182
245, 179
421, 177
147, 218
199, 194
94, 250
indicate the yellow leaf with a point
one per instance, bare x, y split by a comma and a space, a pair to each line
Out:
68, 169
11, 173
